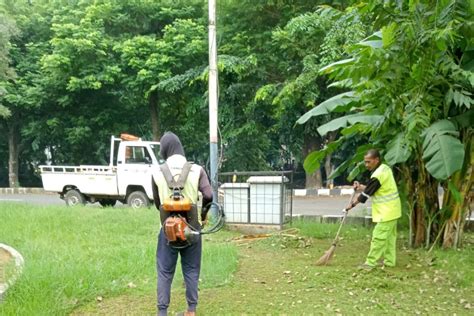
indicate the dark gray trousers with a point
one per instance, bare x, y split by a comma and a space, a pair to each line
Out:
166, 259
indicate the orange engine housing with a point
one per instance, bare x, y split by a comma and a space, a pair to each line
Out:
175, 228
177, 205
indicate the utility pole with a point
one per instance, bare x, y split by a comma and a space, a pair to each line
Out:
213, 97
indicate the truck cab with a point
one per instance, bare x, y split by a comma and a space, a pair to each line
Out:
135, 163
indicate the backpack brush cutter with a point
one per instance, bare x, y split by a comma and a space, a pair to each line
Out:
177, 228
181, 226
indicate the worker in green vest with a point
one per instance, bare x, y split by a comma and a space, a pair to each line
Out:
386, 209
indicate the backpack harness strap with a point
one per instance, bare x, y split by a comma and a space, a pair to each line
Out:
172, 183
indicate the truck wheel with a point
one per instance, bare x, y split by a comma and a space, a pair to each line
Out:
107, 202
74, 197
138, 199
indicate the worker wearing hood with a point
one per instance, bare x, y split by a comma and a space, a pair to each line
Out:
171, 150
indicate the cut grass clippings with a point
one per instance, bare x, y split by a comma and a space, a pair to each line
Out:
102, 261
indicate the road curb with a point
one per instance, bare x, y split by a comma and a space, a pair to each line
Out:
296, 192
22, 191
335, 219
19, 263
324, 192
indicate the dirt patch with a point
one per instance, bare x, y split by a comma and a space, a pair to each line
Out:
5, 260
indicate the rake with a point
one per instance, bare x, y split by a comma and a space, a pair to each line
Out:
324, 260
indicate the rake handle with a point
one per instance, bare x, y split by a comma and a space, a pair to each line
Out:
336, 239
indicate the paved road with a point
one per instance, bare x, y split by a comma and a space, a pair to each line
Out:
40, 199
325, 205
301, 205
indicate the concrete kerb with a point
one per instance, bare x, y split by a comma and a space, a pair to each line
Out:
22, 191
19, 263
323, 192
296, 192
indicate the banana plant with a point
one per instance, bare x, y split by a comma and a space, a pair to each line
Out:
407, 88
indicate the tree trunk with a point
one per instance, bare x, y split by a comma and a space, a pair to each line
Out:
426, 206
462, 180
315, 180
407, 197
312, 143
13, 154
418, 221
155, 122
328, 167
418, 218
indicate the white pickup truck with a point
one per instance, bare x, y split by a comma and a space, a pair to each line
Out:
126, 179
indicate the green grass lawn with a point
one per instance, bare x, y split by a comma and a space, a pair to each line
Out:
88, 261
74, 256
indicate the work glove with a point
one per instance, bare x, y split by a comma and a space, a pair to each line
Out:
356, 185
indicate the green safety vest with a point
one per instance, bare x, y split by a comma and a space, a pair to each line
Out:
386, 205
190, 190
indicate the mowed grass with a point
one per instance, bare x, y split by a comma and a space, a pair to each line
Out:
277, 276
89, 261
77, 255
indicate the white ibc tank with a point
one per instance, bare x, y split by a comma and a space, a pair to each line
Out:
267, 199
236, 202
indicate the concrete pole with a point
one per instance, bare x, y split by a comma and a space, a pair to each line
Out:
213, 97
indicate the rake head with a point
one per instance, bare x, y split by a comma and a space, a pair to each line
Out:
324, 260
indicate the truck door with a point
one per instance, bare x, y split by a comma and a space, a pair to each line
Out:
134, 168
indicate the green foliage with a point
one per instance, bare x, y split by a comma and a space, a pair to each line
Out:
352, 119
402, 80
442, 149
81, 80
337, 102
313, 162
305, 43
397, 150
7, 30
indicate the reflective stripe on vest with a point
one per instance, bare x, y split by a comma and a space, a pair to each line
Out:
386, 205
385, 198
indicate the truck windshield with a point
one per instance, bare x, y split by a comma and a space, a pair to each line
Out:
156, 151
